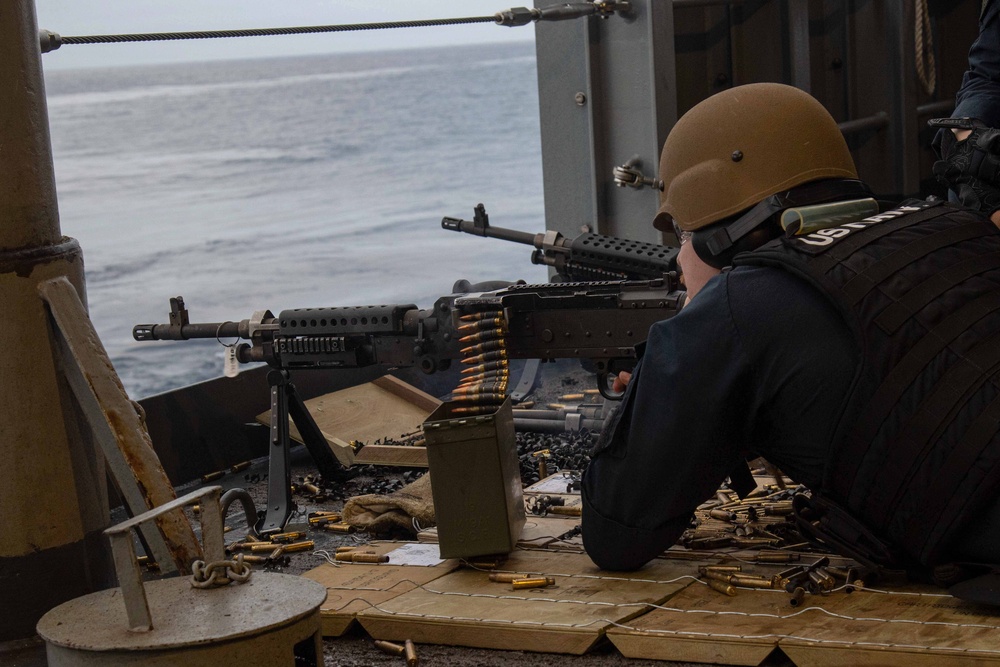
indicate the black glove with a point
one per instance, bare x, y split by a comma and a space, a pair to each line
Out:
971, 168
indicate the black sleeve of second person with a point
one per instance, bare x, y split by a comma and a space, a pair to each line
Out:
979, 96
682, 423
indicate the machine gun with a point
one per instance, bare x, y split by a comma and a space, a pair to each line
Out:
586, 257
599, 322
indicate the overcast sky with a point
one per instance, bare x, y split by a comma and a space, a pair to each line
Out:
95, 17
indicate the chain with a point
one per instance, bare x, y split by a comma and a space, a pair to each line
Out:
219, 573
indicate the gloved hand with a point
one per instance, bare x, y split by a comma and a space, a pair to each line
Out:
971, 168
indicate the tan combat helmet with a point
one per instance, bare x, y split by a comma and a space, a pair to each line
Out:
742, 145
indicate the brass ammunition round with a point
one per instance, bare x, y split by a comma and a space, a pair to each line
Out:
410, 652
339, 527
565, 511
482, 387
485, 357
318, 521
488, 346
479, 398
797, 597
720, 568
506, 577
476, 409
776, 557
212, 476
535, 582
483, 335
485, 323
258, 547
299, 546
485, 378
389, 647
722, 515
722, 587
309, 487
488, 366
475, 317
749, 581
239, 467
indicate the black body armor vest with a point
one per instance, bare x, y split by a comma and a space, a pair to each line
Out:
917, 449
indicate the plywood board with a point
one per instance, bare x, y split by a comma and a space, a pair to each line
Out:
706, 626
929, 629
353, 587
464, 608
385, 408
863, 628
392, 455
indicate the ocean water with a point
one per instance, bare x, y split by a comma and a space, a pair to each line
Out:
288, 183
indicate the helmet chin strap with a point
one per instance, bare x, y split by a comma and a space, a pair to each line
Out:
717, 244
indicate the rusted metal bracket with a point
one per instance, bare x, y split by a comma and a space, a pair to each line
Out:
117, 426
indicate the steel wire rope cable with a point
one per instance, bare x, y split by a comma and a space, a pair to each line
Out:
264, 32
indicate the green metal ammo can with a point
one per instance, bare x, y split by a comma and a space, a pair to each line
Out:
475, 481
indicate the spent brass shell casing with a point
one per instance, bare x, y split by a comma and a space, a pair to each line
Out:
255, 560
483, 315
298, 546
318, 521
798, 595
369, 558
483, 335
776, 557
276, 553
749, 581
722, 515
309, 487
341, 550
723, 497
717, 576
722, 587
507, 577
389, 647
278, 538
565, 511
212, 476
710, 542
543, 469
258, 547
702, 569
534, 582
571, 397
239, 467
822, 580
339, 527
779, 509
410, 653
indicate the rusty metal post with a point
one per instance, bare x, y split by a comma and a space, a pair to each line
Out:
53, 498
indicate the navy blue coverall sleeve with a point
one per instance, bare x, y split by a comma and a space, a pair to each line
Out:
979, 96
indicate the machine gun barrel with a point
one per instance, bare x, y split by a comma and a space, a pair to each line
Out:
587, 257
191, 330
